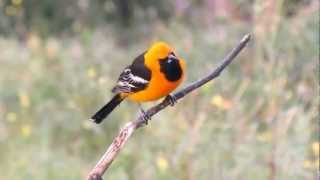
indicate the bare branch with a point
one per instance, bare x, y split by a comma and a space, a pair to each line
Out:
119, 141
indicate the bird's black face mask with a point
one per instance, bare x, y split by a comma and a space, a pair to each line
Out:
171, 68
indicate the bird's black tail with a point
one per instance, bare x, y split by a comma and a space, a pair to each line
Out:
107, 109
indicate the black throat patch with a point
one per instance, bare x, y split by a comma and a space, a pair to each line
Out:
171, 69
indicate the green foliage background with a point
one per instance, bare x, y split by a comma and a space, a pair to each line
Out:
259, 120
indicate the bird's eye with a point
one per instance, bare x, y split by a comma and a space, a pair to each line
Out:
171, 58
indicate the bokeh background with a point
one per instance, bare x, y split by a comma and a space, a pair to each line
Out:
259, 120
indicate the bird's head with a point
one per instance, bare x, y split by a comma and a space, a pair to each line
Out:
161, 55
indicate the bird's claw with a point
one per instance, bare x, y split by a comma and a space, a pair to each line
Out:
145, 116
172, 100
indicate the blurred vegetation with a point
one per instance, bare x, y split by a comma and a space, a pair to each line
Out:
259, 120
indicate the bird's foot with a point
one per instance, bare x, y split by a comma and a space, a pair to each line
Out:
172, 100
145, 116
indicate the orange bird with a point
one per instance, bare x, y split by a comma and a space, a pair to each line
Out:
152, 75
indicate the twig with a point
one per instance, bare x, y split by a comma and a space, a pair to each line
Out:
119, 141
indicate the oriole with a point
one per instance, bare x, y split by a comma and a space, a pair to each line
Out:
152, 75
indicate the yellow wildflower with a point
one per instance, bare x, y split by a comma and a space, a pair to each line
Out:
265, 136
91, 72
220, 102
316, 148
162, 163
26, 130
216, 100
16, 2
307, 164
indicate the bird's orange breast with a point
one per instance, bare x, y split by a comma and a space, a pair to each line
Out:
158, 86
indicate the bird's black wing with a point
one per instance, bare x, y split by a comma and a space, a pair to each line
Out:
134, 78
